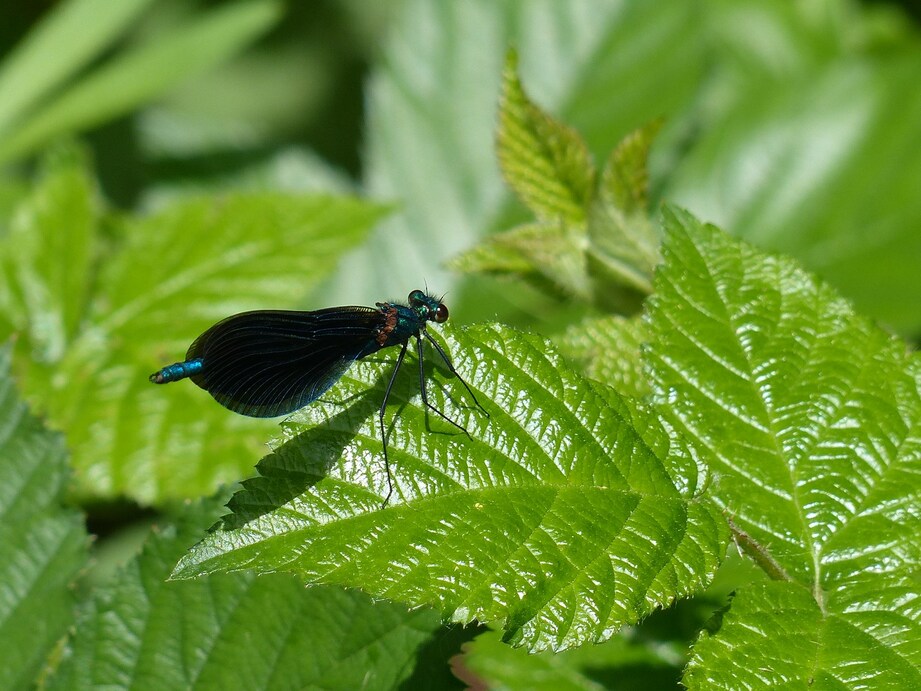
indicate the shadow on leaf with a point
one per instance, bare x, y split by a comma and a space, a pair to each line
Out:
298, 464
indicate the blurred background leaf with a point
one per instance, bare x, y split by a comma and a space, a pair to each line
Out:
812, 154
126, 81
57, 48
241, 630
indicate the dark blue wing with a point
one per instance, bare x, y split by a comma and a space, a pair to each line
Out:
268, 363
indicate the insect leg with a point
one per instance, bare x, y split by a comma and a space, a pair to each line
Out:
425, 398
444, 356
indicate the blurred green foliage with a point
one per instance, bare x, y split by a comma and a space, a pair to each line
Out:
792, 125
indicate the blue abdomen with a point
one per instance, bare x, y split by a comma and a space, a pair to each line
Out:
177, 371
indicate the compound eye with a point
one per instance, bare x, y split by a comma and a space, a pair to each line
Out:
416, 297
441, 313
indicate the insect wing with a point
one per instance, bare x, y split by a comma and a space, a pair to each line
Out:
269, 363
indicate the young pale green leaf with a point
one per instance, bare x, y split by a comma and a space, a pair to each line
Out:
552, 257
611, 264
62, 43
137, 76
177, 272
545, 162
625, 178
623, 244
811, 419
235, 631
42, 544
605, 248
564, 515
620, 256
607, 349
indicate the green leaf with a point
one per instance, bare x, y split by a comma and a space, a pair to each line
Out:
564, 515
233, 631
607, 349
42, 545
205, 257
623, 244
47, 257
140, 74
545, 162
552, 257
288, 169
497, 666
604, 249
12, 192
625, 178
810, 417
71, 35
174, 274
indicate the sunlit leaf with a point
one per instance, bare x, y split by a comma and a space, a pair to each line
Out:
799, 644
563, 516
545, 162
810, 417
